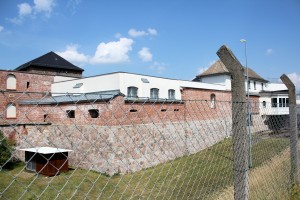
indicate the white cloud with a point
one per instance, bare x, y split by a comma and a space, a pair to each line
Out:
269, 51
1, 28
135, 33
152, 31
71, 54
106, 53
39, 6
113, 52
145, 54
158, 67
24, 9
295, 78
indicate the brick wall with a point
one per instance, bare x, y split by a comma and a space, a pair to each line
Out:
25, 82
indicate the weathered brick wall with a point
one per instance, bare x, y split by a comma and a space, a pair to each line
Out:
40, 84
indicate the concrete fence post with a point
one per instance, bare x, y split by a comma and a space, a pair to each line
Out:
294, 153
239, 123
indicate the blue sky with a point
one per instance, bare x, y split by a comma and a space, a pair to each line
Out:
174, 38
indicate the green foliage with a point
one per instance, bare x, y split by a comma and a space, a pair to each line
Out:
5, 150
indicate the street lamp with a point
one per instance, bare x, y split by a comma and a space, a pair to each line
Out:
248, 106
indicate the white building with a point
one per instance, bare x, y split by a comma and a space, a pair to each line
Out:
131, 85
273, 97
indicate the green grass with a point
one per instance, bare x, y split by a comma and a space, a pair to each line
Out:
199, 175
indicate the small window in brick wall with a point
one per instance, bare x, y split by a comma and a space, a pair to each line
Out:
70, 113
94, 113
45, 117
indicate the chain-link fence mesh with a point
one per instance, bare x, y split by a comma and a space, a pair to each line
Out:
107, 146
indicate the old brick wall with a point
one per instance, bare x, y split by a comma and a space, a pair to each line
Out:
25, 84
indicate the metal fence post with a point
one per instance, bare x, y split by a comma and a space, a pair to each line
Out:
239, 123
294, 154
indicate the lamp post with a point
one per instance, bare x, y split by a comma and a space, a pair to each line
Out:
248, 106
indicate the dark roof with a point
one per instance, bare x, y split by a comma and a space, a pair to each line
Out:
75, 98
218, 68
50, 60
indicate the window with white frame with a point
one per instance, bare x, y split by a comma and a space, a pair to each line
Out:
171, 94
132, 92
254, 85
283, 102
274, 102
11, 111
154, 93
11, 82
212, 101
264, 103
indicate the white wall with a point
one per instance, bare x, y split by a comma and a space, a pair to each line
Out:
258, 86
269, 110
163, 84
218, 79
121, 81
90, 84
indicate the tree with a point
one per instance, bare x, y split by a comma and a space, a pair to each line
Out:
5, 150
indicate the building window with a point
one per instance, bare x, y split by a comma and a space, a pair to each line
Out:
78, 85
11, 82
264, 104
171, 94
274, 102
283, 102
45, 117
70, 113
212, 101
11, 111
262, 86
154, 93
254, 85
28, 84
132, 92
94, 113
249, 86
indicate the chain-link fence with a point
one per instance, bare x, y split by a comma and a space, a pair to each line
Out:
106, 146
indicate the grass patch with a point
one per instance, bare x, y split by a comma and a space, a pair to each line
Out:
201, 175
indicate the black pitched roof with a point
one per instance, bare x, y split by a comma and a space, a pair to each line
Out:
50, 60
